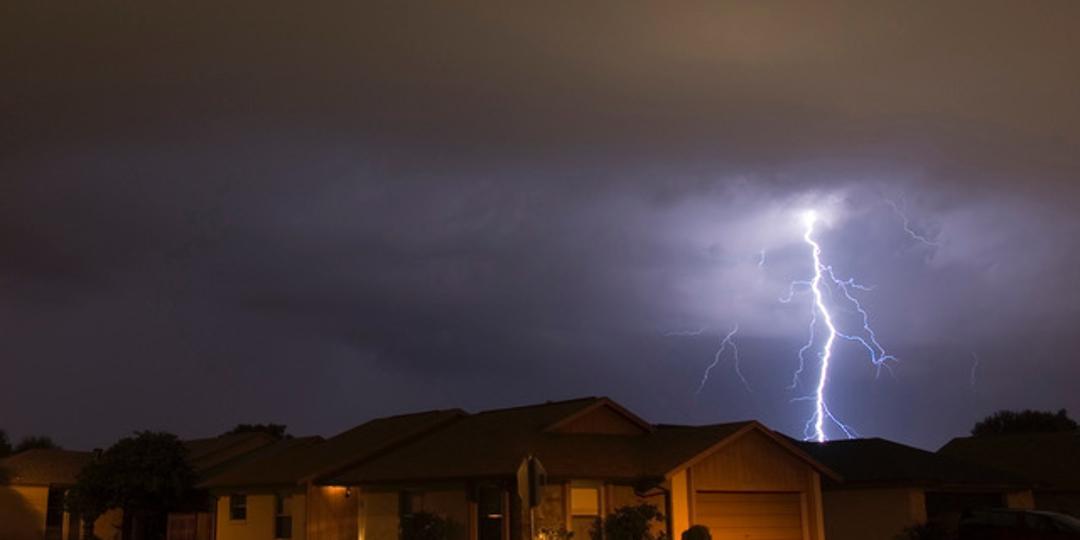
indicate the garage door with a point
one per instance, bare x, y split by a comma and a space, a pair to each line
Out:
750, 516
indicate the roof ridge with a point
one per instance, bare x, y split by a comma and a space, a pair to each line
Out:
544, 404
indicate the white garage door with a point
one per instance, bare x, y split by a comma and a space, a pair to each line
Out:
750, 516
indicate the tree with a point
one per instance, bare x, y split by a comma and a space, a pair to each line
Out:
146, 475
1026, 421
275, 430
629, 523
5, 444
32, 442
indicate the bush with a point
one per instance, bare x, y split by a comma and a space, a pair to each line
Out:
425, 526
697, 532
629, 523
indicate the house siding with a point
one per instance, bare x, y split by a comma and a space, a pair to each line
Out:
872, 514
756, 463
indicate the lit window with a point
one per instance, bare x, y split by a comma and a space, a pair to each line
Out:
584, 509
237, 507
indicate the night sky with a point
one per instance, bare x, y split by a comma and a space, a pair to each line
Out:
222, 212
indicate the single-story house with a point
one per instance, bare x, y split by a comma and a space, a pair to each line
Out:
741, 480
271, 493
888, 487
1051, 461
32, 488
207, 457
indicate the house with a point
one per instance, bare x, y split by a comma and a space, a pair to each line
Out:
888, 486
32, 487
1049, 460
272, 494
741, 480
207, 457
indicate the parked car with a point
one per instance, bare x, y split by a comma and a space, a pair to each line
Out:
1002, 524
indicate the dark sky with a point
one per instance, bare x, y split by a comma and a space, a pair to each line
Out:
223, 212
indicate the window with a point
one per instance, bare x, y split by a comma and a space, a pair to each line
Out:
584, 509
237, 507
282, 516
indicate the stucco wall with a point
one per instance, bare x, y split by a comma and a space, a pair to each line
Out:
378, 515
259, 524
331, 513
22, 512
22, 515
872, 514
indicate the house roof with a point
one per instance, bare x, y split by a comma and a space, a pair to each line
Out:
881, 462
493, 444
1048, 459
294, 460
207, 456
43, 467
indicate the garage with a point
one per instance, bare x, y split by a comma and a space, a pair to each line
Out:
750, 516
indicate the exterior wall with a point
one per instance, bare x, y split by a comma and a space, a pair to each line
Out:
755, 462
551, 514
378, 515
261, 514
680, 503
22, 512
331, 513
872, 514
22, 516
377, 512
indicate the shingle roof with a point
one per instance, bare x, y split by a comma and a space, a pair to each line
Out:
42, 467
207, 455
291, 461
493, 444
882, 462
1050, 459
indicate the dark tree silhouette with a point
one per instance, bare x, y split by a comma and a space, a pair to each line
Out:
5, 444
275, 430
32, 442
629, 523
1026, 421
146, 475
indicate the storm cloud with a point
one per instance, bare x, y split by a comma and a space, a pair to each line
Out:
241, 212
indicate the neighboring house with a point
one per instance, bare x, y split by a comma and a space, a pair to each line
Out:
208, 457
271, 494
741, 480
888, 487
32, 487
1050, 460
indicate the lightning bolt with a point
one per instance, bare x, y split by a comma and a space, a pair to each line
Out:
899, 211
823, 286
725, 343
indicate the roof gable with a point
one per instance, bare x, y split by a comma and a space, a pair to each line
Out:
783, 443
604, 417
